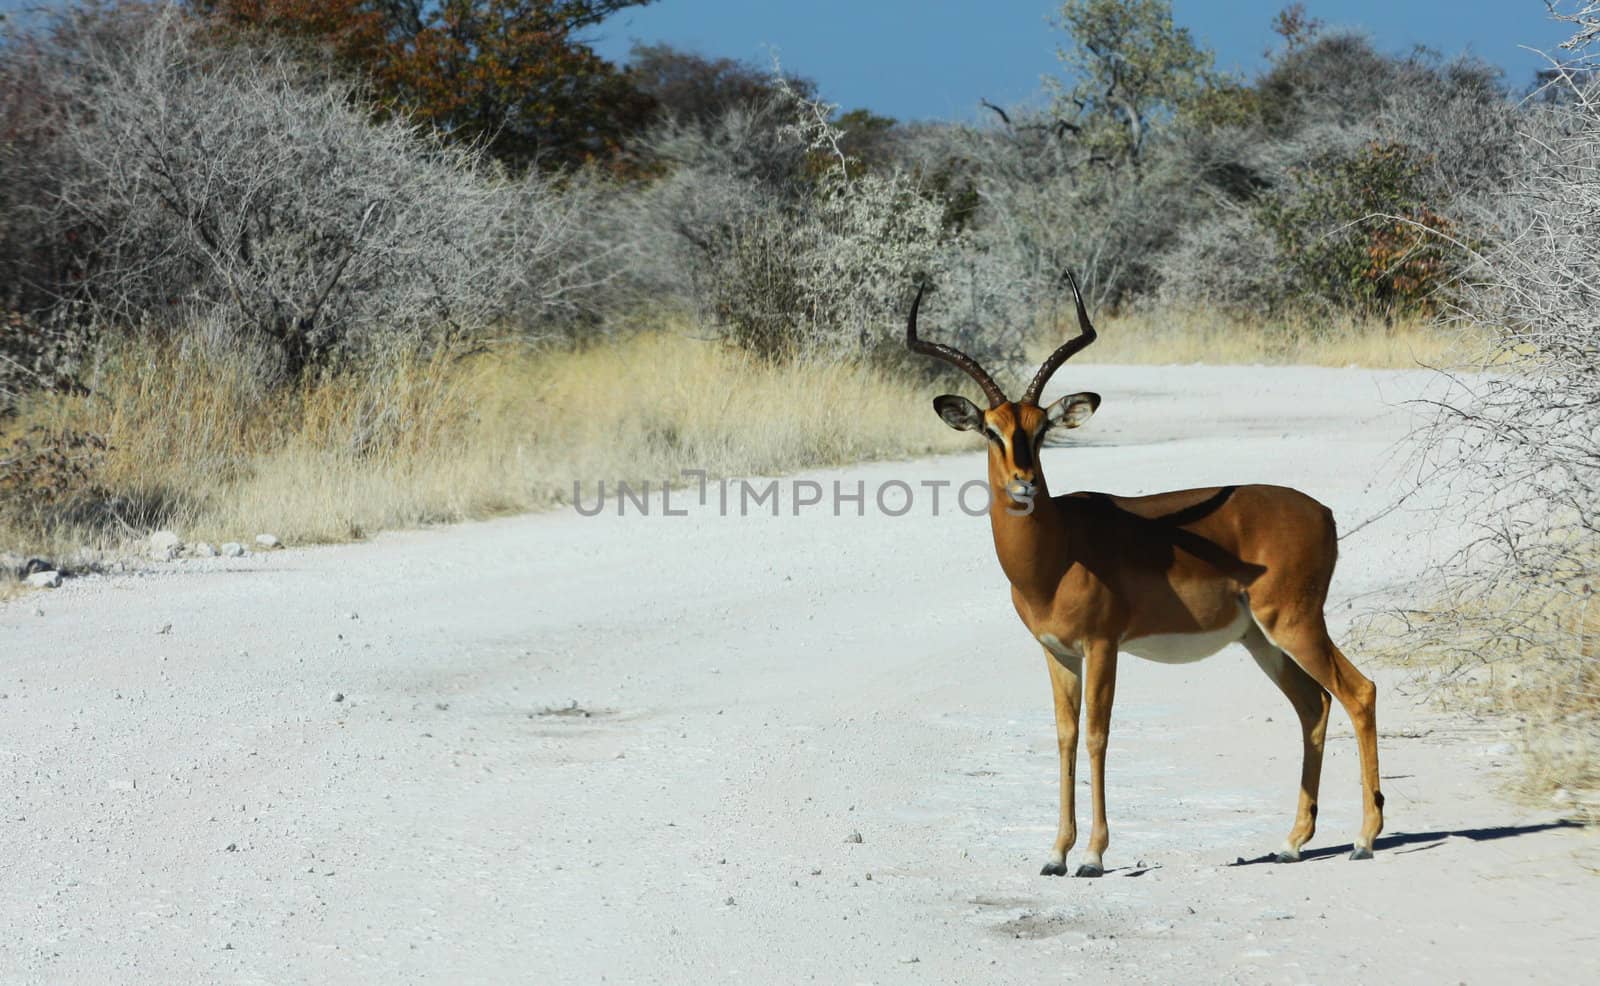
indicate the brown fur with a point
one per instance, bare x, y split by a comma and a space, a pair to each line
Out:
1094, 570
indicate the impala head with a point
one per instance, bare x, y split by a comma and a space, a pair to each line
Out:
1013, 429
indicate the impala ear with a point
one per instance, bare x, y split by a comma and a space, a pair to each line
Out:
1072, 410
958, 412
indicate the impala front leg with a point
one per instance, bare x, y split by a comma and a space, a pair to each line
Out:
1100, 682
1066, 682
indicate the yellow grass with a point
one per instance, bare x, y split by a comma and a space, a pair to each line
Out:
1529, 659
197, 448
1203, 336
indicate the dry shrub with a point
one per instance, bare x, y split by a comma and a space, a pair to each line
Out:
1527, 657
1514, 455
198, 446
43, 469
1205, 335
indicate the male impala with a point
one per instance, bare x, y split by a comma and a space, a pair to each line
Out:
1171, 577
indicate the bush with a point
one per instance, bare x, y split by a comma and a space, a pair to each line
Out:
220, 184
1518, 447
1355, 231
164, 182
1229, 262
45, 472
789, 248
38, 353
511, 77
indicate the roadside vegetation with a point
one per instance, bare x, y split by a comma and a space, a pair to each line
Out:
1514, 625
433, 437
260, 269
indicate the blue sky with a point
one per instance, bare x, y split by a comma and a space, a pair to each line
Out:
934, 59
925, 59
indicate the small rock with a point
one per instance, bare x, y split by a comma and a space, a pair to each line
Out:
164, 545
336, 696
45, 580
853, 838
35, 565
729, 901
909, 959
352, 616
231, 847
202, 549
268, 541
233, 549
164, 629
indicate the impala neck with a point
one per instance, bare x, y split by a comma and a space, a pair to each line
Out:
1032, 547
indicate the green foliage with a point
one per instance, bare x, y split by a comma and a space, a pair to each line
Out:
1356, 232
1131, 67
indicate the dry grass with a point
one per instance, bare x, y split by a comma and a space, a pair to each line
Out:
1528, 659
197, 448
1181, 336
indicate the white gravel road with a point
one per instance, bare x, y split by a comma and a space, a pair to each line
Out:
750, 692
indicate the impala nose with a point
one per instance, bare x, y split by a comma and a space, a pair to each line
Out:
1021, 491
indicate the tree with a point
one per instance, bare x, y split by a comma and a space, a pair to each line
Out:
690, 88
1586, 20
1131, 66
1296, 27
514, 76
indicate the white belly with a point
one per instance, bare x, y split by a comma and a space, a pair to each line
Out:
1181, 648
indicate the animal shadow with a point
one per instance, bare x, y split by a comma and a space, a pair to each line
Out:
1420, 841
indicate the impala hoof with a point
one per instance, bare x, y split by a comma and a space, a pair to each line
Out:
1089, 869
1054, 869
1286, 856
1361, 852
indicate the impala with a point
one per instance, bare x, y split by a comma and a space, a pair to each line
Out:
1170, 577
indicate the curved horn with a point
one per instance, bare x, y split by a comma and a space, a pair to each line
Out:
954, 357
1066, 351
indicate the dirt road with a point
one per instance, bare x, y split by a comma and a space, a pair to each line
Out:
639, 749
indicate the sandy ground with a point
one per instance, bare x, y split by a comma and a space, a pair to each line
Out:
193, 806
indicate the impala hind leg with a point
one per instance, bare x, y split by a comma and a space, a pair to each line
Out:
1311, 703
1066, 682
1100, 685
1305, 639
